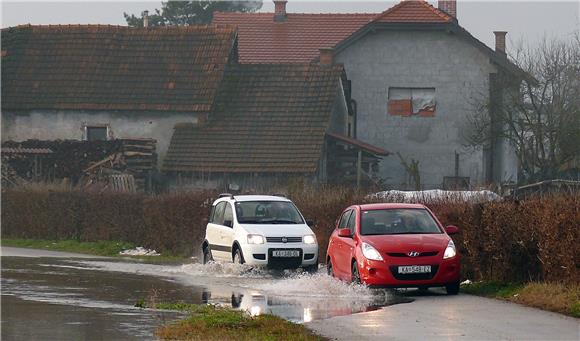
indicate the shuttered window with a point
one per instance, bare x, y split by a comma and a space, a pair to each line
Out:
411, 101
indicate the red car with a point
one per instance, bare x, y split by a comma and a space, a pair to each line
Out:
394, 245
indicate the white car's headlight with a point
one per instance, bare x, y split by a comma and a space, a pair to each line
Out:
450, 251
255, 239
309, 239
370, 252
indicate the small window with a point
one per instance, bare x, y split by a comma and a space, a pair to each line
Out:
412, 101
218, 217
228, 214
344, 219
211, 214
100, 133
351, 222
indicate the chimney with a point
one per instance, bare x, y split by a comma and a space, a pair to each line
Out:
280, 10
145, 15
500, 41
448, 6
327, 56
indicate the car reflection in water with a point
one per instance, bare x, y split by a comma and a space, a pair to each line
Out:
301, 309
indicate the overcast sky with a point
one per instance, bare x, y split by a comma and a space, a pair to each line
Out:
528, 20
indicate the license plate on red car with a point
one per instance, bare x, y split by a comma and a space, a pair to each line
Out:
414, 269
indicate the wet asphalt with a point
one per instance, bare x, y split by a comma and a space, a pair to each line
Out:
62, 296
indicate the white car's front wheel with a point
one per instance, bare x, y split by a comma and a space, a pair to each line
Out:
238, 257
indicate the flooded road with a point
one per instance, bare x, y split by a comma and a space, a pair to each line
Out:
60, 296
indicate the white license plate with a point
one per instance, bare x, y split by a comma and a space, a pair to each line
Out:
285, 253
415, 269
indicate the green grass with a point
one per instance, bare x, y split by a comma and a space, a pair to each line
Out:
492, 289
101, 248
206, 322
562, 298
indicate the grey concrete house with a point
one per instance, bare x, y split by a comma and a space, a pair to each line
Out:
100, 82
414, 74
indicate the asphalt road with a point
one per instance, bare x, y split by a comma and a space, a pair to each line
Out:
440, 317
94, 299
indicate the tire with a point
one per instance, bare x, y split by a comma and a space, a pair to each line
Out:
206, 255
238, 257
329, 268
355, 275
311, 269
452, 289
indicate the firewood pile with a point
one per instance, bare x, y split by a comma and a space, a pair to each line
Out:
87, 164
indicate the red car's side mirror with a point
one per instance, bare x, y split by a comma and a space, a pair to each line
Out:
451, 229
344, 233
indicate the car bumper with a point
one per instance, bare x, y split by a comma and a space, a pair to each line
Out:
384, 273
261, 255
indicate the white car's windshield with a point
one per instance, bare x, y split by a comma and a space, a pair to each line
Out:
267, 212
398, 221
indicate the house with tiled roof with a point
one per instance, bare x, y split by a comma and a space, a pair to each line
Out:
414, 77
218, 123
272, 123
102, 82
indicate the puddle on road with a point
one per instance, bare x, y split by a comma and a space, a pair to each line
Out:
103, 293
294, 295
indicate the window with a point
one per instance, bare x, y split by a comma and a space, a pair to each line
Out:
218, 216
344, 219
267, 212
398, 221
228, 214
351, 223
96, 133
412, 101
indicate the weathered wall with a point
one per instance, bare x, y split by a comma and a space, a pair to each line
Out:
52, 125
456, 69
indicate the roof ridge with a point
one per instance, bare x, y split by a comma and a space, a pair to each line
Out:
297, 13
168, 27
436, 10
403, 3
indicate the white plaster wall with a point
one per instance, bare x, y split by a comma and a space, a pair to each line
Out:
65, 124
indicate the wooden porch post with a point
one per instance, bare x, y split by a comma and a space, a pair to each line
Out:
358, 168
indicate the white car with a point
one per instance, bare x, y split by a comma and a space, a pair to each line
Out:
259, 230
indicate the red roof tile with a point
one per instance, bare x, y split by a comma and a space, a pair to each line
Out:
412, 11
103, 67
299, 38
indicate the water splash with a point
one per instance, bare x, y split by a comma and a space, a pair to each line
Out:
313, 285
218, 269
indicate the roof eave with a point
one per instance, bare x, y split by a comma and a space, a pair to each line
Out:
495, 57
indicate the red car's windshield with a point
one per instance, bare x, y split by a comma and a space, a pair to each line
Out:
398, 221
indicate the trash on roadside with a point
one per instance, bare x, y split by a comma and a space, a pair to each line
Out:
139, 251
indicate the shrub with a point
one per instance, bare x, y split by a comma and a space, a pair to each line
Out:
513, 241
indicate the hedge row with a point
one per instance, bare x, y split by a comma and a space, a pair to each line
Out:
536, 239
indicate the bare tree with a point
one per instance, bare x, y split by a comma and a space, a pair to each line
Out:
540, 115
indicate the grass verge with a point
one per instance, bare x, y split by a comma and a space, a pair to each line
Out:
558, 297
100, 248
206, 322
